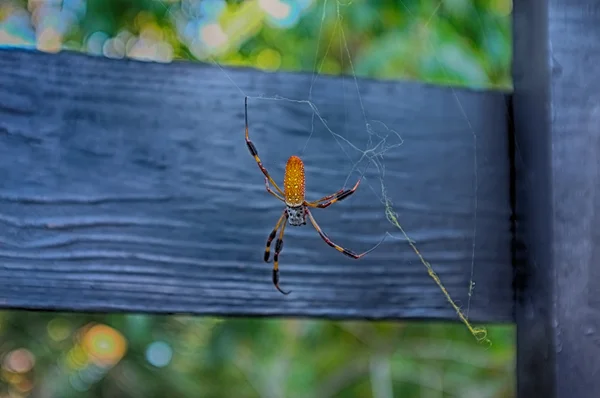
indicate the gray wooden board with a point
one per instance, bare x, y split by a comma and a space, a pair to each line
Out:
127, 186
557, 123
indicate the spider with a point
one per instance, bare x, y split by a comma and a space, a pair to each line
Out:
296, 207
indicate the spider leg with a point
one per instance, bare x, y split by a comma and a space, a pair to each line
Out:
326, 198
272, 236
269, 190
278, 247
254, 152
339, 248
336, 197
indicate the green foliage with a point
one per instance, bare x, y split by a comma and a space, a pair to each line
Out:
268, 358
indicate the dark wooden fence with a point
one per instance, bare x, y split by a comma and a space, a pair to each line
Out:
127, 186
130, 187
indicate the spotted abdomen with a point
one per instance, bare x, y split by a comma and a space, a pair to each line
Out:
296, 215
293, 182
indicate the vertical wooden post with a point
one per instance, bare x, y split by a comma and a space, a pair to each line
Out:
556, 112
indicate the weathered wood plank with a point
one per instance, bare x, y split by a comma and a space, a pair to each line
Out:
557, 122
128, 186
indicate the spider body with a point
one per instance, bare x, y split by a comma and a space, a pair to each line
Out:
296, 207
296, 215
294, 182
294, 190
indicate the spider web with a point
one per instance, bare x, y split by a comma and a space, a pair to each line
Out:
376, 158
380, 137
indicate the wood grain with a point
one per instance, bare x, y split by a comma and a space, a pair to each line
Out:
127, 186
557, 125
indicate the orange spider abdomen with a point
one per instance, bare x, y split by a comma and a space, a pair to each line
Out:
293, 182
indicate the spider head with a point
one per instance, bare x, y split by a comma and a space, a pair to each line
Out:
296, 215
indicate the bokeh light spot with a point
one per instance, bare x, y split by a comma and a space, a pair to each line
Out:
275, 8
76, 358
213, 35
114, 48
19, 361
58, 329
105, 345
95, 42
268, 59
159, 354
49, 40
282, 14
152, 32
165, 52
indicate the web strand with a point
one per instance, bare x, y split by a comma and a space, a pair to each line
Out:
463, 316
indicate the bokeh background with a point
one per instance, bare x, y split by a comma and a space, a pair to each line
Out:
449, 42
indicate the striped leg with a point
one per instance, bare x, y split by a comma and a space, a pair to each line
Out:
326, 198
254, 152
336, 197
278, 247
269, 190
272, 236
339, 248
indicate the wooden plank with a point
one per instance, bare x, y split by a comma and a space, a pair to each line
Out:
557, 122
127, 186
